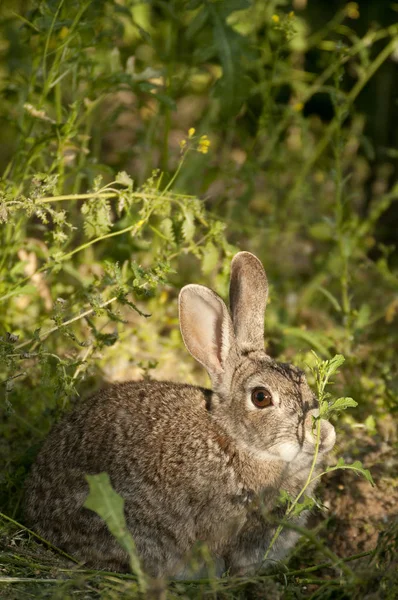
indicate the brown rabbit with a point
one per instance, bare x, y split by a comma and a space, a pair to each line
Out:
191, 464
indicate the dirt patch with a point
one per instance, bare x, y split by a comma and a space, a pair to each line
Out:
358, 512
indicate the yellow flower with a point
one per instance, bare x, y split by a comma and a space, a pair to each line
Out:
275, 18
191, 132
319, 177
298, 107
183, 143
291, 14
63, 33
391, 311
204, 144
163, 297
352, 10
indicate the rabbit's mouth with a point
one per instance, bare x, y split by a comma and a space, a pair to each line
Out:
286, 451
327, 435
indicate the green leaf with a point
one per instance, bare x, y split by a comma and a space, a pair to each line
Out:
124, 179
27, 290
342, 404
322, 231
210, 258
109, 505
232, 87
370, 424
97, 217
355, 466
197, 23
307, 504
188, 226
315, 339
363, 317
332, 299
332, 365
166, 227
328, 408
323, 408
284, 498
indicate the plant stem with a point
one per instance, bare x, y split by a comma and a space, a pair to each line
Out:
329, 565
63, 257
48, 38
43, 540
330, 130
48, 332
368, 39
29, 580
280, 527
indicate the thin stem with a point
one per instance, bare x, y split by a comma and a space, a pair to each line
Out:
45, 334
36, 535
136, 226
309, 478
63, 257
330, 130
80, 367
100, 194
172, 180
329, 565
29, 580
368, 39
280, 527
47, 42
75, 197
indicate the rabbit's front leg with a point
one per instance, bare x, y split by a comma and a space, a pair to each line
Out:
246, 554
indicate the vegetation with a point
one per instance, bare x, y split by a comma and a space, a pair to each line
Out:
143, 143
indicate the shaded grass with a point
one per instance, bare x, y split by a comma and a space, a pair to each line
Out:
30, 570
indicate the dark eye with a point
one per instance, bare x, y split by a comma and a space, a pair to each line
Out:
261, 397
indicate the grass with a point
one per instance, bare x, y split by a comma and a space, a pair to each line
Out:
32, 571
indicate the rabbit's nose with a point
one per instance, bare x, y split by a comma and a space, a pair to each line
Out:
328, 434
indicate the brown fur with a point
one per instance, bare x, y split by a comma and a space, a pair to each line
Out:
191, 464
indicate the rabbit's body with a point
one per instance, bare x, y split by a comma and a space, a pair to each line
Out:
170, 503
193, 465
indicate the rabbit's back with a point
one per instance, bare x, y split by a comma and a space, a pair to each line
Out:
163, 454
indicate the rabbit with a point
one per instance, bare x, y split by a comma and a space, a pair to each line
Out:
193, 465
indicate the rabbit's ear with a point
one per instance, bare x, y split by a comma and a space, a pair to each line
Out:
206, 328
248, 293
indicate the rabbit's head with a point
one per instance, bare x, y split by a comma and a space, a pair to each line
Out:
266, 406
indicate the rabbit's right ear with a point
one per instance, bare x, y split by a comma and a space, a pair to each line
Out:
248, 293
206, 328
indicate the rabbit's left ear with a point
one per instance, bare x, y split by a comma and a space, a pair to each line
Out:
207, 330
248, 293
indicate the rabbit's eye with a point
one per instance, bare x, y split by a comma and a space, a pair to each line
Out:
261, 397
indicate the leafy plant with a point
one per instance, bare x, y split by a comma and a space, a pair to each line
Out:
103, 500
323, 370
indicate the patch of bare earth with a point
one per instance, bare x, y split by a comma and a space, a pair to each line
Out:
358, 512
